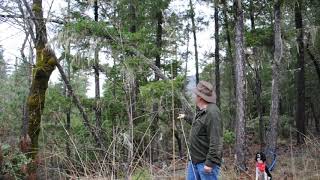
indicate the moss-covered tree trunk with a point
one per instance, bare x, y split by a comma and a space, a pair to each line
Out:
45, 63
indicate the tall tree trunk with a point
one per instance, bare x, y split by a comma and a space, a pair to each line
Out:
114, 130
97, 81
45, 63
132, 88
130, 111
29, 60
68, 111
155, 106
187, 54
68, 117
240, 90
252, 18
300, 112
316, 120
159, 41
192, 16
133, 18
67, 95
274, 109
24, 138
216, 52
232, 65
258, 88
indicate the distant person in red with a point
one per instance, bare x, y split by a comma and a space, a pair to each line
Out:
262, 171
206, 135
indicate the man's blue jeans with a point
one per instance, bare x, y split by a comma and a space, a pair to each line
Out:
196, 172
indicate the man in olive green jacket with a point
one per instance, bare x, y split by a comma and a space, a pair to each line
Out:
206, 135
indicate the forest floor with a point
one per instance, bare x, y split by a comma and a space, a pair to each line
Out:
293, 162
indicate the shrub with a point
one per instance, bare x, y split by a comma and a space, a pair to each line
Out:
13, 162
229, 137
141, 173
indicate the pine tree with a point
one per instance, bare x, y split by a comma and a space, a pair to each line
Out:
240, 87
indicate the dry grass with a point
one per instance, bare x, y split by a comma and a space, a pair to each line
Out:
293, 162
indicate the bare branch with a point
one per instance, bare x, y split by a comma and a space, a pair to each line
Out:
32, 18
77, 102
28, 22
30, 11
23, 46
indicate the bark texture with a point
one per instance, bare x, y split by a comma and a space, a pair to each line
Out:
192, 16
155, 106
216, 52
240, 87
275, 94
97, 81
45, 64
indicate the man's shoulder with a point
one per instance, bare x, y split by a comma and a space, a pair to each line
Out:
213, 108
213, 113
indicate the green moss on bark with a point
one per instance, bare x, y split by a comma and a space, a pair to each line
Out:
46, 62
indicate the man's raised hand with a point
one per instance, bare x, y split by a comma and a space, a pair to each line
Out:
181, 116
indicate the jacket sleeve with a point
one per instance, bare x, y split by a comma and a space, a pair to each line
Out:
189, 118
215, 136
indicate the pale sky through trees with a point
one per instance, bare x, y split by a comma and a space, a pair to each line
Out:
12, 37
